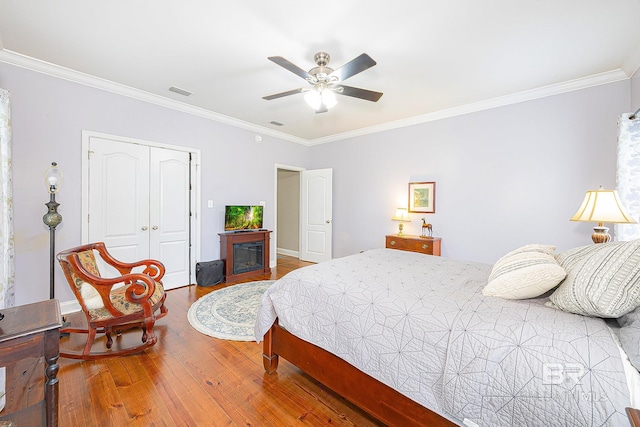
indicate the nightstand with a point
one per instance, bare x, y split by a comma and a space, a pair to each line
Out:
406, 242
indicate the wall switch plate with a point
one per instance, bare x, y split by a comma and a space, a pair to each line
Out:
209, 203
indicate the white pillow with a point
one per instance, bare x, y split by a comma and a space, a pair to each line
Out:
604, 283
91, 297
526, 272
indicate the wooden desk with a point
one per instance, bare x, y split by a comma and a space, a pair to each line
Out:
28, 333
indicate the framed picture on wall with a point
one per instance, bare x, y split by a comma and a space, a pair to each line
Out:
422, 197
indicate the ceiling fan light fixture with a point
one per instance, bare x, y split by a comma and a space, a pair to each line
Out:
329, 98
313, 99
321, 96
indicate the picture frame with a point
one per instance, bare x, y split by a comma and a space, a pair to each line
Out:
422, 197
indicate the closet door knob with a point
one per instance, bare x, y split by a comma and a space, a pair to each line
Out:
155, 227
145, 228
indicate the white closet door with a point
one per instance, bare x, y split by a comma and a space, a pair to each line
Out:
118, 198
169, 214
139, 205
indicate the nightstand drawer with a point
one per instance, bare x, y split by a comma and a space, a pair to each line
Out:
429, 246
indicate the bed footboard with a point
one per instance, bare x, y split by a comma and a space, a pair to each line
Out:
381, 401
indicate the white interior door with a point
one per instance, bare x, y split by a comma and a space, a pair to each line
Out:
118, 198
139, 204
316, 226
169, 214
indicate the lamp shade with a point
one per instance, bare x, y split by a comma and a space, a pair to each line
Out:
602, 206
401, 215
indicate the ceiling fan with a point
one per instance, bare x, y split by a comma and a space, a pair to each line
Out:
326, 82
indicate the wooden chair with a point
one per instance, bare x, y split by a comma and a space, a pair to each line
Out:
113, 304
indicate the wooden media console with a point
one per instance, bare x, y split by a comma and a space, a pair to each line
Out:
245, 254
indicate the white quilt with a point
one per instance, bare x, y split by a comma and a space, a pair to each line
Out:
421, 325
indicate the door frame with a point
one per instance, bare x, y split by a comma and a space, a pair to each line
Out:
274, 235
195, 238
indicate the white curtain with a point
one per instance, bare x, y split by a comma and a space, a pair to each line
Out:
7, 295
628, 174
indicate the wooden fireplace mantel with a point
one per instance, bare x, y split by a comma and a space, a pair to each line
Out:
227, 240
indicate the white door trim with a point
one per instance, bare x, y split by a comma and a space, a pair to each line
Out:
196, 181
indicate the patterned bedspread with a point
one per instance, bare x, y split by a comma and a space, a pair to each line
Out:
421, 325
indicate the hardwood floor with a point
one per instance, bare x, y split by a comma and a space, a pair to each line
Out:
190, 379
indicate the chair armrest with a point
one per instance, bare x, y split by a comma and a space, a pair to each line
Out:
634, 417
139, 286
152, 268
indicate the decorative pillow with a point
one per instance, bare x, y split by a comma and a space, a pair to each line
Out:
569, 258
526, 272
630, 336
604, 283
543, 249
90, 296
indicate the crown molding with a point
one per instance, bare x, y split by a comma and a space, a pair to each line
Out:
630, 67
44, 67
632, 64
528, 95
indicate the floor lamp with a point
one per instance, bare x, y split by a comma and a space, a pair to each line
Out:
53, 179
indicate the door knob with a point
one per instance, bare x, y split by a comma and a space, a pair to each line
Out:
155, 227
328, 221
145, 228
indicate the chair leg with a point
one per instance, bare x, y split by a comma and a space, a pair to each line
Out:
147, 329
107, 333
91, 334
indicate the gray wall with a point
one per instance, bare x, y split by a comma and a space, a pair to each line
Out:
288, 211
48, 116
505, 177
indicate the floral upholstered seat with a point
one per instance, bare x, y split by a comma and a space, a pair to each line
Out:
133, 299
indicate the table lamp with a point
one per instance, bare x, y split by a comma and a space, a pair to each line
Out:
602, 206
402, 215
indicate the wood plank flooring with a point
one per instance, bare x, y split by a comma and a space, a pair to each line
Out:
191, 379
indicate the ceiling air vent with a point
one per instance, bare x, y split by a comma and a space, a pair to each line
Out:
180, 91
273, 122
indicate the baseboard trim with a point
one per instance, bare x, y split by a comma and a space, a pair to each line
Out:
67, 307
287, 252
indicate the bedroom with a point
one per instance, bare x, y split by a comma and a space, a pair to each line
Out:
507, 176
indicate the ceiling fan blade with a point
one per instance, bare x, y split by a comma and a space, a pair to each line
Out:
356, 92
281, 94
354, 67
290, 66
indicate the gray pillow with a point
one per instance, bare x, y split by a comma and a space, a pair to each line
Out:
602, 280
569, 258
630, 336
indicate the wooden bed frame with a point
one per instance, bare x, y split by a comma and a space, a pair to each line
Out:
379, 400
374, 397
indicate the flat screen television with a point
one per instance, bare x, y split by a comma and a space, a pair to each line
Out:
242, 218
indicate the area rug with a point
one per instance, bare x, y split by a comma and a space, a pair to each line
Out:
229, 313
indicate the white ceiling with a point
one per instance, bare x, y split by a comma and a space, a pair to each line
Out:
434, 58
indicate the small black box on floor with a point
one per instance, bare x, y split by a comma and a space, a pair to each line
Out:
209, 273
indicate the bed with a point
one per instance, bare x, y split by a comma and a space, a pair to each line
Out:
413, 340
